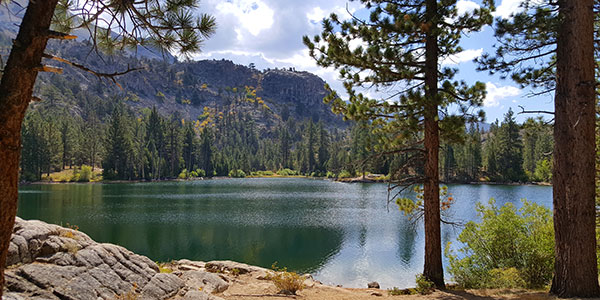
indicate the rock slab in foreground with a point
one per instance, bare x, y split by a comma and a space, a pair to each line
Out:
47, 261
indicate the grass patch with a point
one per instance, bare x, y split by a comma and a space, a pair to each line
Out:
164, 267
74, 175
401, 292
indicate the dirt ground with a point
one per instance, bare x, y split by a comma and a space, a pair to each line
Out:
248, 288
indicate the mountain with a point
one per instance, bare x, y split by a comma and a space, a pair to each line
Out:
190, 89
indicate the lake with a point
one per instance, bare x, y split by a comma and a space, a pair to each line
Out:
341, 233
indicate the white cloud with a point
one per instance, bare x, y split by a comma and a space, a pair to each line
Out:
254, 15
464, 6
316, 15
467, 55
300, 59
508, 8
343, 13
497, 93
272, 27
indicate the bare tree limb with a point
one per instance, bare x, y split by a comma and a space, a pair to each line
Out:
523, 111
51, 34
110, 76
49, 69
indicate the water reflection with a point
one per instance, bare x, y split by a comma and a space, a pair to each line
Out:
342, 233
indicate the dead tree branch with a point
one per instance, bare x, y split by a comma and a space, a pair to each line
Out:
110, 76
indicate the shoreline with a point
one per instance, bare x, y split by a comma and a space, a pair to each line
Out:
109, 271
359, 179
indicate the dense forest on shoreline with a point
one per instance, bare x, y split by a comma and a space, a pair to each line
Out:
145, 145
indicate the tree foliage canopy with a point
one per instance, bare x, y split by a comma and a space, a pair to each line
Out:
169, 25
387, 52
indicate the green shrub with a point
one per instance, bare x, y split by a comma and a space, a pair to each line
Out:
506, 278
543, 171
286, 172
193, 174
424, 285
237, 173
201, 173
85, 174
508, 242
330, 174
262, 173
67, 178
344, 174
395, 291
183, 174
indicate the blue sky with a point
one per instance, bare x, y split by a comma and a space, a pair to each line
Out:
269, 34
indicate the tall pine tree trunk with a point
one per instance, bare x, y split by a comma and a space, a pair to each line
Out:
431, 191
575, 270
16, 90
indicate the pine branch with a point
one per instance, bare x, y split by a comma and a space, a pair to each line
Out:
523, 111
110, 76
48, 69
51, 34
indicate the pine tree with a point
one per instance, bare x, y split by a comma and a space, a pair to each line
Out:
189, 147
138, 155
323, 148
53, 143
66, 134
35, 152
405, 41
490, 152
531, 132
449, 162
510, 149
311, 140
118, 147
155, 145
573, 181
550, 45
173, 146
206, 152
359, 149
284, 146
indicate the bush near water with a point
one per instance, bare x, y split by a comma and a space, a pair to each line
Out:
509, 248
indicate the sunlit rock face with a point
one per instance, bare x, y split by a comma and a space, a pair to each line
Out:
48, 261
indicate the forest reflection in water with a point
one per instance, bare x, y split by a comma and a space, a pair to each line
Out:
342, 233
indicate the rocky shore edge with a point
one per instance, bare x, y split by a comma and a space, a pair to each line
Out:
48, 261
51, 262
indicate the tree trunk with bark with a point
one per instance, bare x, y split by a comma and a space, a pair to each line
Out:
575, 270
431, 191
16, 88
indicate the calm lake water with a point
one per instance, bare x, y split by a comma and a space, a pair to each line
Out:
341, 233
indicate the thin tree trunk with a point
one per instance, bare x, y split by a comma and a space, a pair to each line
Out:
431, 191
16, 89
575, 269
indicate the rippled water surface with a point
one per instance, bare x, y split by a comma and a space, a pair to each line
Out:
342, 233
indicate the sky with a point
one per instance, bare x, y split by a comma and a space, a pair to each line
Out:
268, 33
